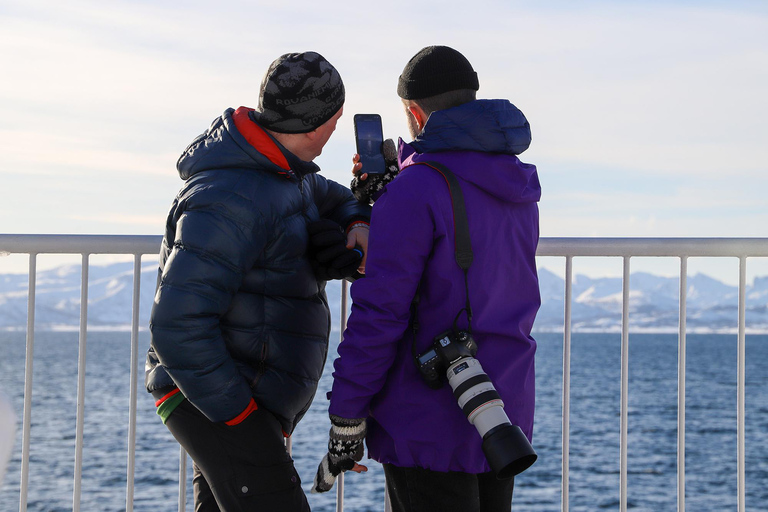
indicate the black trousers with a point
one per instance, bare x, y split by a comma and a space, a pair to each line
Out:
239, 468
422, 490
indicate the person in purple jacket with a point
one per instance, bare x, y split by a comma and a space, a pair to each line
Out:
431, 454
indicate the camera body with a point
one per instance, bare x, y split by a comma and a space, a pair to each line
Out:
446, 349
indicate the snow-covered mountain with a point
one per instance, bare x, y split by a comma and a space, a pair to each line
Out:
653, 304
711, 306
57, 296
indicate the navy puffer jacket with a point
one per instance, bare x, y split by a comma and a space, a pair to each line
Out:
238, 312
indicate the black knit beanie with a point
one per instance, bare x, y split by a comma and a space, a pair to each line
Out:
300, 92
435, 70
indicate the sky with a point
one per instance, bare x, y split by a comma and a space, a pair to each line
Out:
649, 119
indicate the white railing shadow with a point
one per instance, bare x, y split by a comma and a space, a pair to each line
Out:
568, 248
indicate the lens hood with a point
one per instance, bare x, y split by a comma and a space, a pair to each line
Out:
508, 451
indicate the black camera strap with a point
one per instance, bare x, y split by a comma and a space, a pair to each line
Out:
463, 252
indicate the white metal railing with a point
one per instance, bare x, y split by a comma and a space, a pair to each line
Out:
85, 245
682, 248
626, 248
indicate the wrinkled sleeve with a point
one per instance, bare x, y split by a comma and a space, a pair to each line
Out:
401, 239
217, 239
337, 203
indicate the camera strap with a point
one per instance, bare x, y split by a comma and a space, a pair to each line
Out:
463, 245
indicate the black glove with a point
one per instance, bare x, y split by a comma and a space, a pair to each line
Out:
368, 190
345, 448
328, 251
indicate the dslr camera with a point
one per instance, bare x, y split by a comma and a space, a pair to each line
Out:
452, 356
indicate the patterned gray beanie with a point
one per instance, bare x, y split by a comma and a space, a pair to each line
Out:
300, 92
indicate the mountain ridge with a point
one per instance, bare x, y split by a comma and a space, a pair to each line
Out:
711, 306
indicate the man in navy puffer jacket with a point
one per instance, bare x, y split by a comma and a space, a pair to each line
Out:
240, 322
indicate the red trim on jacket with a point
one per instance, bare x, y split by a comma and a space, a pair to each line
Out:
258, 138
166, 397
241, 417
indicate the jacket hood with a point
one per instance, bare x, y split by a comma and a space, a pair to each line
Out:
479, 142
234, 140
495, 126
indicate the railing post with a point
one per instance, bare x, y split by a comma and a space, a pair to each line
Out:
132, 401
29, 358
624, 386
343, 326
182, 479
740, 387
81, 384
681, 365
564, 500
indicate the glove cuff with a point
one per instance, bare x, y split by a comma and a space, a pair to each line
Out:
347, 429
345, 441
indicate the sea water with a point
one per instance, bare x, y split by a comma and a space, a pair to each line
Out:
711, 443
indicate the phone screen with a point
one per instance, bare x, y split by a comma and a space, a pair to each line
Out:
369, 138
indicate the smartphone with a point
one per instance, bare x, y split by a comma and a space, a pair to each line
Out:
369, 138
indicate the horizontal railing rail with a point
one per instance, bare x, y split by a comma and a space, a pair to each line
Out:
562, 247
80, 244
654, 247
568, 248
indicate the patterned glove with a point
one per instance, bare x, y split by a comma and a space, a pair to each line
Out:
368, 190
328, 251
345, 448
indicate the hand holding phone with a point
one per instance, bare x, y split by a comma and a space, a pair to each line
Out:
369, 137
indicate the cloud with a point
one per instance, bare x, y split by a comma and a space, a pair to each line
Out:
21, 153
649, 119
152, 221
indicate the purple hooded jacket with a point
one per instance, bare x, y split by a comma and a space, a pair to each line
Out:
412, 245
